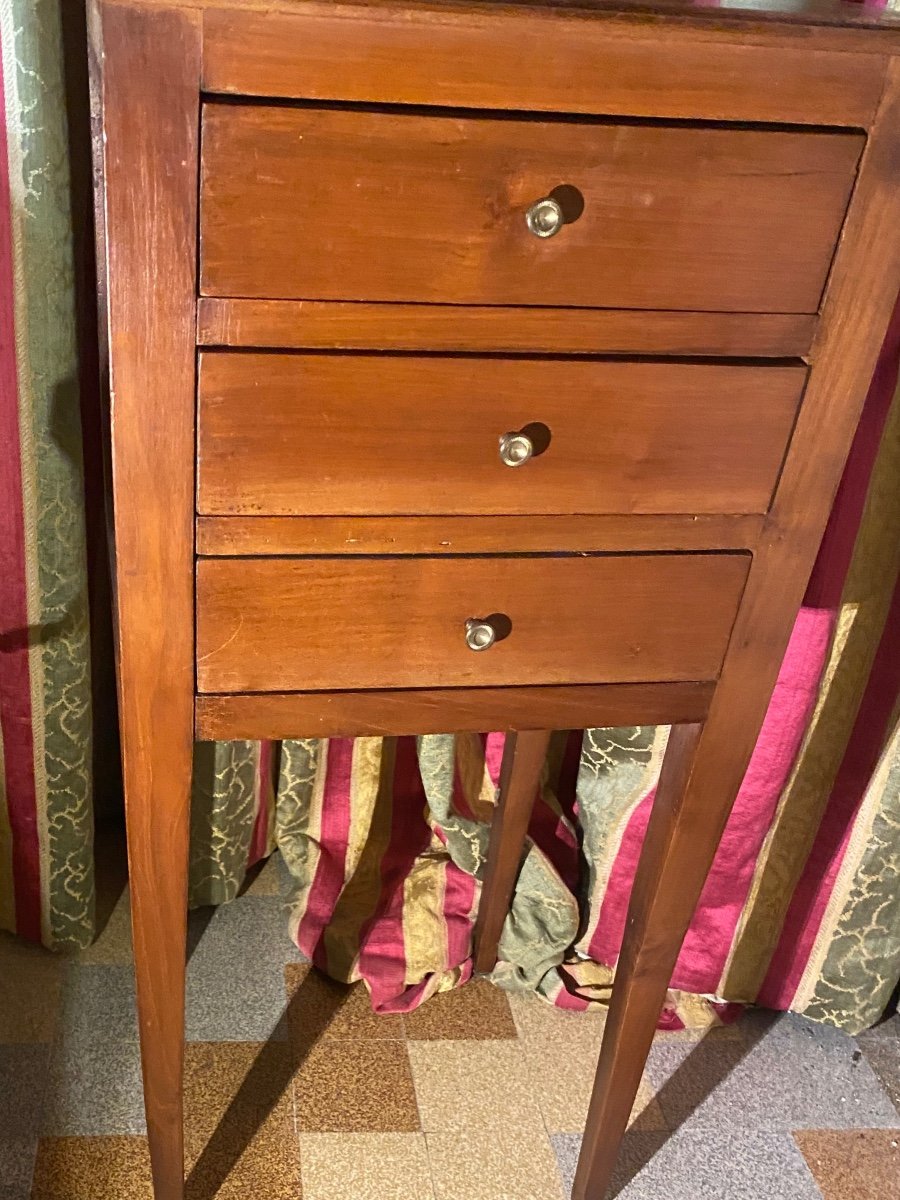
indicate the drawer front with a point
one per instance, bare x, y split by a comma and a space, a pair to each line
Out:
329, 434
326, 623
340, 205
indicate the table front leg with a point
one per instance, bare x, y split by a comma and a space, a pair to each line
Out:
673, 865
158, 871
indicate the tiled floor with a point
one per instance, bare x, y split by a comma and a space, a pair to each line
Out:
296, 1091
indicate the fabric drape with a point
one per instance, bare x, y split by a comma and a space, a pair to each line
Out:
386, 838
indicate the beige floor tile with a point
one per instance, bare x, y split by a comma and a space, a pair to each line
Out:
102, 1168
320, 1007
536, 1020
355, 1087
30, 991
562, 1079
264, 880
507, 1164
477, 1010
473, 1085
239, 1128
365, 1166
113, 945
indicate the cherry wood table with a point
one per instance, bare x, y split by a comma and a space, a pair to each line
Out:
477, 366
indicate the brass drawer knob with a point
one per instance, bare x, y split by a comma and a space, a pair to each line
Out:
480, 635
515, 449
545, 218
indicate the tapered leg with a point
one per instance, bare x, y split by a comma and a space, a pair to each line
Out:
520, 773
158, 865
669, 877
146, 100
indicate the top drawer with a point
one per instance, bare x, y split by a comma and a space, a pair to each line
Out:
317, 203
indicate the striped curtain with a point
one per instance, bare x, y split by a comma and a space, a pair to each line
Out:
386, 838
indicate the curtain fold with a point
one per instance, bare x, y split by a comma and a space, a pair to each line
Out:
386, 839
46, 881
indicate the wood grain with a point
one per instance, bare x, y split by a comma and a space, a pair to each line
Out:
651, 933
303, 203
146, 99
284, 536
682, 840
383, 623
313, 434
337, 325
730, 15
543, 61
437, 710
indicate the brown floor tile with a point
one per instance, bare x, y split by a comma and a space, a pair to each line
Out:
493, 1165
30, 990
365, 1166
475, 1086
105, 1168
477, 1010
355, 1087
320, 1007
858, 1164
239, 1128
883, 1056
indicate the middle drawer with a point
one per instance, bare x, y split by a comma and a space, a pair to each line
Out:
329, 434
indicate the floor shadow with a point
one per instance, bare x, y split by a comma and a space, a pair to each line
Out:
265, 1083
640, 1149
110, 871
198, 922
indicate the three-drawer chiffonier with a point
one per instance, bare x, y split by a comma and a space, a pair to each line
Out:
477, 366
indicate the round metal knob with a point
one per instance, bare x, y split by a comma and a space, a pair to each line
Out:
480, 635
515, 449
545, 218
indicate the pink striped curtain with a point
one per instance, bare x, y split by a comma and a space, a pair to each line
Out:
386, 839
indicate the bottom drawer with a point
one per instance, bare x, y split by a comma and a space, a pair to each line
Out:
298, 624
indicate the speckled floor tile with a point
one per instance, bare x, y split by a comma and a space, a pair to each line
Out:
473, 1086
265, 880
30, 987
883, 1055
562, 1079
109, 1168
701, 1166
536, 1020
888, 1028
475, 1011
365, 1166
862, 1164
320, 1007
510, 1164
113, 946
16, 1165
235, 980
23, 1087
355, 1087
797, 1076
98, 1005
94, 1090
239, 1128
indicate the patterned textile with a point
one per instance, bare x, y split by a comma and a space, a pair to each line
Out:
386, 839
46, 880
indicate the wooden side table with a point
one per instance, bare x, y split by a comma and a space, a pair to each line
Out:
477, 366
